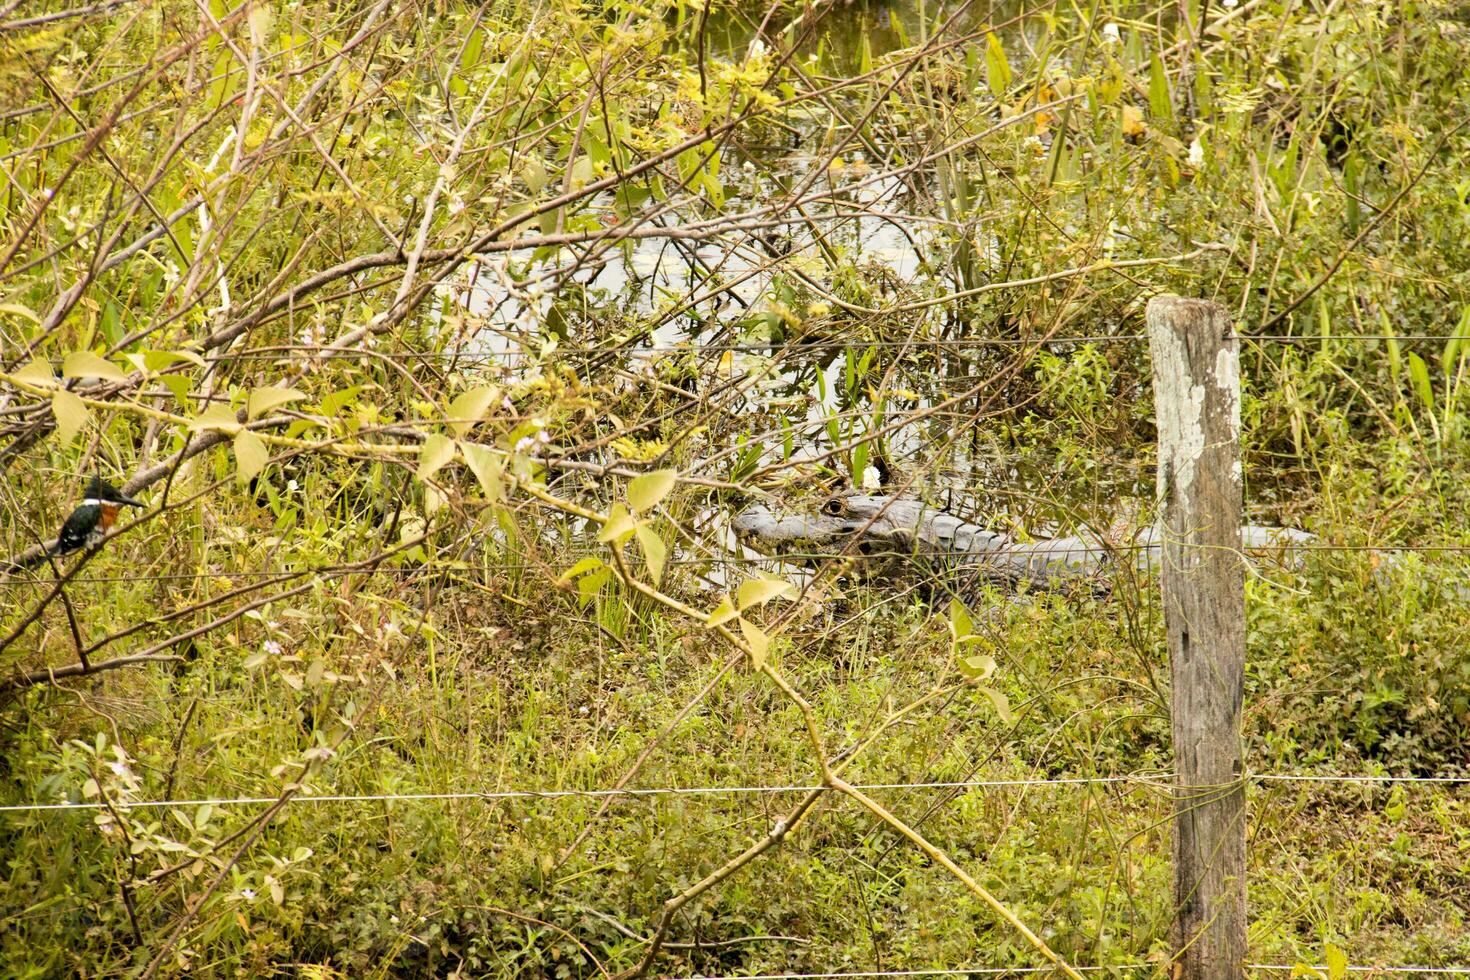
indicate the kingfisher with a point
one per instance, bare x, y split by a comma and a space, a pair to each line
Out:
89, 524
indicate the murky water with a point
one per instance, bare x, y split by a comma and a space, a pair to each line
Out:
744, 309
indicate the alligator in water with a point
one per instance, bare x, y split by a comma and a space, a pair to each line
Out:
886, 535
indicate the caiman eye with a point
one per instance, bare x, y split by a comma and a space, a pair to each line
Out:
833, 507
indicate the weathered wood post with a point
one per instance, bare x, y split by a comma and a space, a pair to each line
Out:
1196, 374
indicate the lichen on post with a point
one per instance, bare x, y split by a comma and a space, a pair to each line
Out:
1196, 374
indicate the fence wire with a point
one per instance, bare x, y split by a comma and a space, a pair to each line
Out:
1162, 781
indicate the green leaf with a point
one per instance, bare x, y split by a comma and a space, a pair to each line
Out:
758, 641
1002, 705
220, 417
580, 568
589, 585
16, 309
534, 174
470, 407
997, 67
434, 455
181, 386
262, 400
85, 364
1419, 374
1395, 362
758, 591
960, 624
1160, 102
654, 552
647, 490
619, 527
978, 667
722, 613
338, 400
71, 414
251, 455
1337, 962
157, 360
487, 466
38, 371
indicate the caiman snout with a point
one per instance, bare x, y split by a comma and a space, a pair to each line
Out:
822, 533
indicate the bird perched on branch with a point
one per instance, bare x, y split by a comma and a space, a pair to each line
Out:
94, 517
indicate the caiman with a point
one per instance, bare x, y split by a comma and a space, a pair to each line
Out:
884, 536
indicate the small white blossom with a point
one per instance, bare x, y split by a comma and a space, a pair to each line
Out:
1110, 34
271, 647
248, 894
524, 444
1196, 153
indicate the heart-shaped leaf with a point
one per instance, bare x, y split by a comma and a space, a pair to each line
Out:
619, 527
647, 490
435, 453
71, 414
251, 455
469, 407
38, 372
486, 465
960, 624
758, 591
262, 400
758, 641
217, 416
978, 667
85, 364
580, 568
654, 552
1002, 705
722, 613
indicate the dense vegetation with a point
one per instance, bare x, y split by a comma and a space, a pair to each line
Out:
442, 339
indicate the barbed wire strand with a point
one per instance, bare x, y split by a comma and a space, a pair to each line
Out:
559, 794
1004, 970
1153, 780
978, 564
797, 346
1357, 968
937, 972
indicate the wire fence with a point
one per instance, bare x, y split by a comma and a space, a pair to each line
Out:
976, 564
1146, 780
546, 348
1102, 968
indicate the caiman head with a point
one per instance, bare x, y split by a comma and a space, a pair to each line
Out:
877, 532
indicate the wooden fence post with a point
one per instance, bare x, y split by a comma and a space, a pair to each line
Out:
1196, 375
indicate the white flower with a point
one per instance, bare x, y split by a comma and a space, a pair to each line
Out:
525, 444
1110, 34
248, 894
1196, 153
1230, 4
271, 647
872, 479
